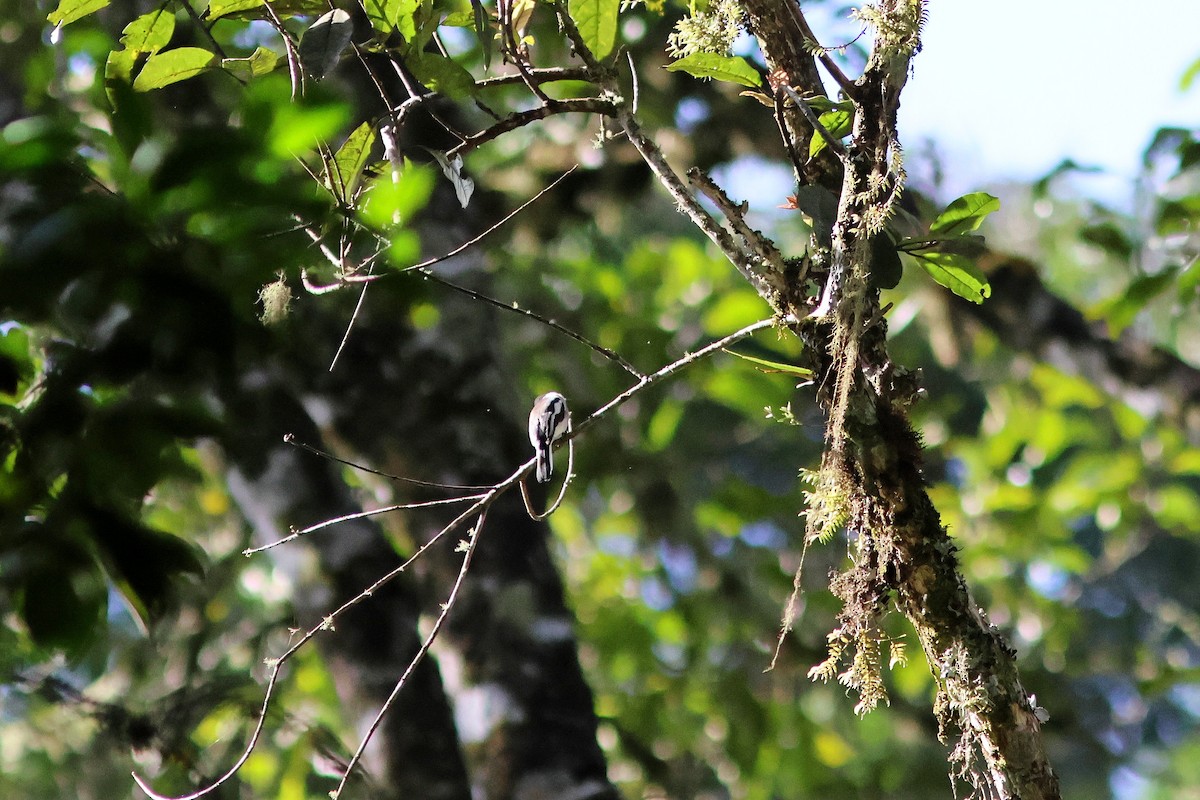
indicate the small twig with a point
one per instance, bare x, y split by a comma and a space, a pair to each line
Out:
295, 71
690, 206
514, 49
291, 439
847, 86
567, 24
374, 512
362, 297
424, 265
671, 369
515, 309
834, 143
762, 247
482, 503
519, 119
195, 15
472, 540
538, 75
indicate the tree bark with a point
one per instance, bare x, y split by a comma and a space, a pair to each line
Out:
873, 455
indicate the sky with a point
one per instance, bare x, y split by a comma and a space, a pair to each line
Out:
1008, 90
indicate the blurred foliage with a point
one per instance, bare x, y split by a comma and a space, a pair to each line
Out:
137, 228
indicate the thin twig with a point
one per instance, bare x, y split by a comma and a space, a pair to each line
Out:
509, 37
424, 265
847, 86
374, 512
291, 439
362, 296
295, 71
538, 75
515, 309
690, 206
834, 143
519, 119
472, 540
482, 503
762, 247
562, 490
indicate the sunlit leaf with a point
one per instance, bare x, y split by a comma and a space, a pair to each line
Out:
731, 69
597, 23
391, 202
774, 366
347, 165
70, 10
150, 32
221, 8
443, 75
261, 62
965, 214
172, 66
838, 122
957, 273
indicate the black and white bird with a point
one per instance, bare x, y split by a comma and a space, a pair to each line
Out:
548, 421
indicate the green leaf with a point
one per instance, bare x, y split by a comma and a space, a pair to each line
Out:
597, 23
1189, 76
221, 8
149, 33
261, 62
322, 44
731, 69
957, 273
389, 15
172, 66
443, 75
347, 166
1121, 310
838, 122
1108, 237
965, 214
774, 366
70, 10
119, 66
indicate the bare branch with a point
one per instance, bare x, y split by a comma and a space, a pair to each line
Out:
550, 323
519, 119
765, 282
761, 246
472, 540
538, 75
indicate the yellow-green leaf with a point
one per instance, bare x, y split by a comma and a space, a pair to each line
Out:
172, 66
347, 165
965, 214
775, 366
70, 10
957, 273
150, 32
732, 69
221, 8
261, 62
597, 23
838, 122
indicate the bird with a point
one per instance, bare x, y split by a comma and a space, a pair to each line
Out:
549, 419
